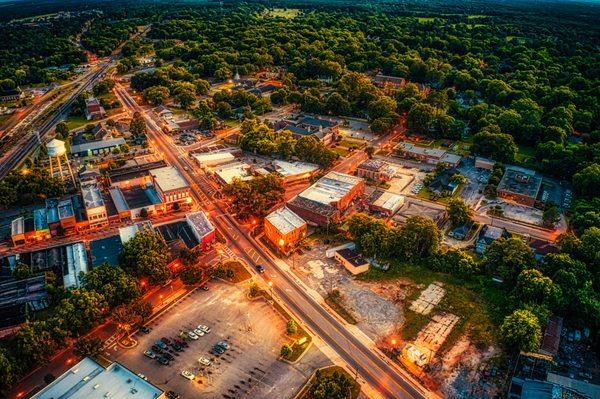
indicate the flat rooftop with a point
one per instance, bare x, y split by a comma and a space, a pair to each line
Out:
352, 256
387, 200
88, 379
232, 170
92, 197
423, 151
330, 188
179, 230
285, 220
520, 181
294, 168
65, 209
169, 178
97, 145
106, 250
200, 224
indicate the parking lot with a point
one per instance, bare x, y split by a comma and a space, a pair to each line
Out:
248, 369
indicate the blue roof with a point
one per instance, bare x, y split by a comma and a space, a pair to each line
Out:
152, 195
40, 221
106, 250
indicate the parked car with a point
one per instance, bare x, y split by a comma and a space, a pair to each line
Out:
177, 347
260, 269
198, 332
173, 395
166, 340
162, 360
161, 344
188, 374
168, 356
145, 330
156, 349
143, 377
192, 335
150, 354
204, 361
217, 350
204, 328
181, 342
223, 344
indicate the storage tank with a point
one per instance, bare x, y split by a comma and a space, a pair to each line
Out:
56, 148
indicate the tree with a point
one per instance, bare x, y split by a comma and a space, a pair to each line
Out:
35, 344
9, 369
419, 237
254, 197
144, 213
126, 317
191, 274
458, 211
587, 182
113, 283
533, 286
22, 271
491, 142
420, 118
286, 351
551, 216
189, 257
137, 126
333, 386
291, 327
146, 255
507, 257
87, 347
62, 131
80, 311
156, 95
521, 330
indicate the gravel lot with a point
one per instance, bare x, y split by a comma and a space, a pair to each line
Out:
249, 369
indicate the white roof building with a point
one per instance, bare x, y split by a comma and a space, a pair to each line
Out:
88, 379
201, 226
128, 232
76, 264
168, 178
213, 159
331, 188
227, 172
92, 197
289, 169
285, 221
389, 202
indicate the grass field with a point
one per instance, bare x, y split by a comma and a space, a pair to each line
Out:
76, 121
288, 13
304, 393
479, 303
240, 272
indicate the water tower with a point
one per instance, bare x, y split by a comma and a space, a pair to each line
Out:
59, 163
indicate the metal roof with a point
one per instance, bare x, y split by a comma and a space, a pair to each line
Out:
284, 220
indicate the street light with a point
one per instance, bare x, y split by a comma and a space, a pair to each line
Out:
161, 299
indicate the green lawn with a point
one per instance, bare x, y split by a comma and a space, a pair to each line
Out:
304, 393
76, 121
525, 154
480, 304
288, 13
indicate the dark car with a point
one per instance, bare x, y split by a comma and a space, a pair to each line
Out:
181, 342
166, 340
173, 395
145, 330
168, 356
156, 349
162, 360
223, 344
177, 347
260, 269
161, 344
218, 350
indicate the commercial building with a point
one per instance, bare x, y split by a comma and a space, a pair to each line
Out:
385, 202
284, 229
488, 235
484, 163
20, 298
128, 232
26, 230
11, 95
95, 210
352, 260
384, 81
202, 228
375, 169
434, 156
520, 185
93, 109
134, 174
91, 380
106, 250
328, 198
323, 130
293, 172
97, 148
234, 170
171, 186
212, 159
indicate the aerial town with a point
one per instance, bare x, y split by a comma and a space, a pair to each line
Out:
299, 200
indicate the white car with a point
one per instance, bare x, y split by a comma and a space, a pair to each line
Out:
204, 361
150, 354
143, 377
199, 332
188, 374
204, 328
192, 335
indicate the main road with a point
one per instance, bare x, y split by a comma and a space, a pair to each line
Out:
359, 354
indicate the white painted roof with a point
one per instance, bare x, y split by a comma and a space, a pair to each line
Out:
88, 379
92, 197
389, 201
214, 158
200, 224
168, 178
330, 188
294, 168
235, 169
285, 220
